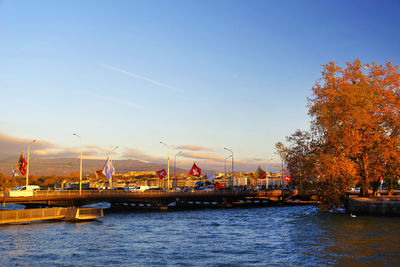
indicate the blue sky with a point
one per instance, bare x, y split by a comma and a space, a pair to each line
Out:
198, 75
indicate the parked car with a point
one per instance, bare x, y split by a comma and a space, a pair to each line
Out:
139, 188
118, 188
130, 188
209, 188
188, 189
154, 189
24, 191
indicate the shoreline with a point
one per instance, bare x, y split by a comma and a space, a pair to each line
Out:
377, 205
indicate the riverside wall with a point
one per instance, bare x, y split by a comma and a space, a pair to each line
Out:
383, 206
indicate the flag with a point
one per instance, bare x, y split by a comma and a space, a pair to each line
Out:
287, 179
108, 169
22, 164
195, 171
161, 174
260, 173
98, 173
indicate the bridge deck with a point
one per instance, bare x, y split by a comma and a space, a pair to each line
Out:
76, 198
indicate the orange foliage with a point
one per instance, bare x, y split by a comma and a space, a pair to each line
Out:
356, 111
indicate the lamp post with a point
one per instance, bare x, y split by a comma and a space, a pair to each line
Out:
27, 169
168, 164
266, 177
282, 173
80, 166
175, 165
225, 168
111, 162
233, 170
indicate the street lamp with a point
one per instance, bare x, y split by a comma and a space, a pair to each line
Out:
168, 163
233, 170
27, 169
110, 185
225, 168
267, 179
80, 166
175, 165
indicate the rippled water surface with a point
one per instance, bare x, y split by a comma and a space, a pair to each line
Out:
224, 237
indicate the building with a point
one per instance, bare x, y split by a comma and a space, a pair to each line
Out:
241, 181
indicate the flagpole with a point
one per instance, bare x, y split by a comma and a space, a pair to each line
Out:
225, 168
168, 163
168, 170
27, 169
233, 170
80, 166
175, 165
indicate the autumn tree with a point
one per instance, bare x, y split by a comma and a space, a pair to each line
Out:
356, 111
355, 130
299, 157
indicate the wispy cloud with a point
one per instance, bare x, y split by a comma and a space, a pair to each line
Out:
117, 100
107, 98
140, 77
194, 148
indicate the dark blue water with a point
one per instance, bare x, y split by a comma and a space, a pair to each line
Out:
271, 236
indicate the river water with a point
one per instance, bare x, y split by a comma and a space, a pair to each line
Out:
272, 236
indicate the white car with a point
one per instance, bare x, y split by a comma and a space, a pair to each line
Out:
24, 191
139, 188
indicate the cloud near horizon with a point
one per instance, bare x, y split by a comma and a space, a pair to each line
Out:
12, 146
194, 155
194, 148
130, 153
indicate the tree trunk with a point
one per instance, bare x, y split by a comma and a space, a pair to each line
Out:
364, 175
364, 188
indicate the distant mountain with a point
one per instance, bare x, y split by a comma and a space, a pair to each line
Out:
65, 166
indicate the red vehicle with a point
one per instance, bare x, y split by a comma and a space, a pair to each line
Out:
219, 186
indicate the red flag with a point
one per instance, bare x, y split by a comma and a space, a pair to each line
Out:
100, 173
260, 173
195, 171
21, 164
287, 179
161, 173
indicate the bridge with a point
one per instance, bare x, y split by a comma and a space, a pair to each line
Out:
159, 198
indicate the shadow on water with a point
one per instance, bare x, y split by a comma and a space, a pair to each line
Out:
343, 239
47, 222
